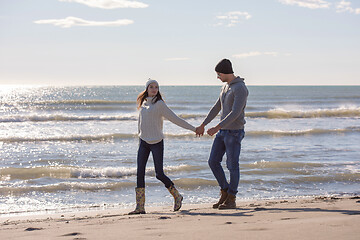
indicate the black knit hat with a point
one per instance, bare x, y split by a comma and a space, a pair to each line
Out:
224, 66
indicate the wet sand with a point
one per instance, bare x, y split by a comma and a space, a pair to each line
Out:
308, 218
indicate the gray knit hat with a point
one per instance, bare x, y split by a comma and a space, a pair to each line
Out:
150, 81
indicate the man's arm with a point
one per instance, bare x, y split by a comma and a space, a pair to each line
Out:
211, 115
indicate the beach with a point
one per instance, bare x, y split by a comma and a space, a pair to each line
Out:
82, 144
307, 218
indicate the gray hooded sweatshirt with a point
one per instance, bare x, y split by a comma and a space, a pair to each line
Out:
232, 103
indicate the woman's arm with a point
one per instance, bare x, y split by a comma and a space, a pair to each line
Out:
172, 117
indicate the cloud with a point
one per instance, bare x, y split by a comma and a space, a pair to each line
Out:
109, 4
312, 4
254, 54
230, 19
177, 59
344, 6
74, 21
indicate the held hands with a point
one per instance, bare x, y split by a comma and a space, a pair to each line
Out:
201, 129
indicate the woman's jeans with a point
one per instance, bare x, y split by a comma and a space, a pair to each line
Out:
229, 142
158, 156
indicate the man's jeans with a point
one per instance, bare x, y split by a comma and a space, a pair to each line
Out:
229, 142
157, 150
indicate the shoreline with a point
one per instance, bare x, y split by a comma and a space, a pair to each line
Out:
127, 208
320, 217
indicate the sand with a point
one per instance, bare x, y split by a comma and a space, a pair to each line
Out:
308, 218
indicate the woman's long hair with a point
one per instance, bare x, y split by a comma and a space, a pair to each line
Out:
144, 94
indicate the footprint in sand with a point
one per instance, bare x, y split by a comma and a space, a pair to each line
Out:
287, 218
71, 234
33, 229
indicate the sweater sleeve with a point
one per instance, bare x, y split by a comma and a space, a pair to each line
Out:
172, 117
213, 112
240, 97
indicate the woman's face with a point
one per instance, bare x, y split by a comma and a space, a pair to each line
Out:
153, 89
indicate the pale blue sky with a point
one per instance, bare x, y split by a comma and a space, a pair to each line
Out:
121, 42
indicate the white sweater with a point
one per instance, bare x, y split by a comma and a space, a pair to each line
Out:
151, 120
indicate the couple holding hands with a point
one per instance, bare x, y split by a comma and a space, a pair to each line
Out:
230, 132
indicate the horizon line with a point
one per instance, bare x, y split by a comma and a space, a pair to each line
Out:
174, 85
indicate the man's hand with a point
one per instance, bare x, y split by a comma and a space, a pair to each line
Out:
200, 130
213, 130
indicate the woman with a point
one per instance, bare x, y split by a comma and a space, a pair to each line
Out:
152, 111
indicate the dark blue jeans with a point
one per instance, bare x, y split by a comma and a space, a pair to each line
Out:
229, 142
158, 156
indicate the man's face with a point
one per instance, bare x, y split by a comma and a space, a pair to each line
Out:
221, 76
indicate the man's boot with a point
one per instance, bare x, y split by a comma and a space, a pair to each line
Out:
222, 199
177, 197
230, 202
140, 201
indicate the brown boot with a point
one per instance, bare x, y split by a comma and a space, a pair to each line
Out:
222, 199
229, 202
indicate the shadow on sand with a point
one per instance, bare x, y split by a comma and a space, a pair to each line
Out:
249, 211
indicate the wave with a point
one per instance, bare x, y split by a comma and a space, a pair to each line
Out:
195, 183
313, 179
278, 164
185, 183
86, 138
93, 108
91, 138
69, 105
321, 113
68, 172
271, 114
89, 102
189, 183
339, 177
315, 131
258, 168
126, 172
60, 118
65, 186
8, 174
73, 102
189, 135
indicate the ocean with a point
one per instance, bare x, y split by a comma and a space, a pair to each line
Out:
74, 148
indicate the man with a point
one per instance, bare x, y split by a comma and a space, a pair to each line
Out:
232, 102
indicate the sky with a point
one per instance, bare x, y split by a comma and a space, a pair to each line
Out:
123, 42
